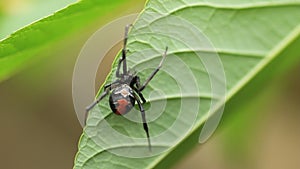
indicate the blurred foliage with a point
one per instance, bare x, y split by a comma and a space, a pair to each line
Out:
24, 46
19, 13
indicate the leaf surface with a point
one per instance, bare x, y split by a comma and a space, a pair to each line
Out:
245, 36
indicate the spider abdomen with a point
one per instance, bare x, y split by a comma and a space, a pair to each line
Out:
121, 99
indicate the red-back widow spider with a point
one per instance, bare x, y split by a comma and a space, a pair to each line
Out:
127, 89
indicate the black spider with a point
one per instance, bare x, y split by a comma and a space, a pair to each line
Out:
127, 89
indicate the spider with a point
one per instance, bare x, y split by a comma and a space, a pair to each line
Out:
127, 89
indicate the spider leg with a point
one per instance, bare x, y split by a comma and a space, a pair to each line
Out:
88, 108
140, 95
155, 71
136, 82
107, 89
118, 69
145, 125
124, 51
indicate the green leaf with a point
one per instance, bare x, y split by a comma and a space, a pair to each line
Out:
16, 16
24, 47
249, 38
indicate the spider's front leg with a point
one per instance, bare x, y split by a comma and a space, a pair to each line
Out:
124, 51
155, 71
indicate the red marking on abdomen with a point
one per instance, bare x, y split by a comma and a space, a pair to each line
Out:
122, 104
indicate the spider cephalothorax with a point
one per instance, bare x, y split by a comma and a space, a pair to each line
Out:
127, 89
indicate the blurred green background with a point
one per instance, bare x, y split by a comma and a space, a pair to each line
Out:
40, 129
